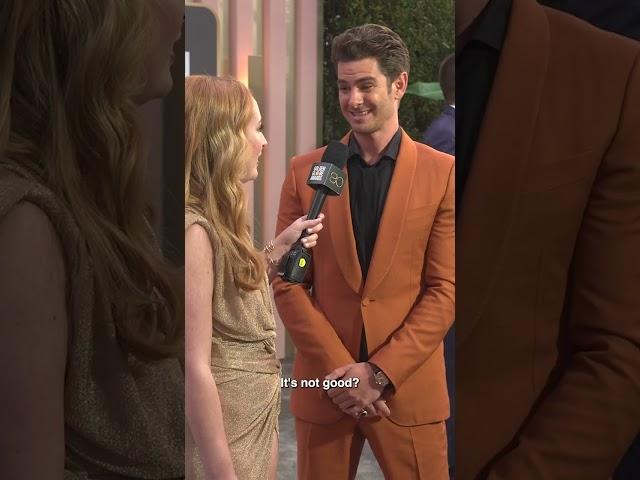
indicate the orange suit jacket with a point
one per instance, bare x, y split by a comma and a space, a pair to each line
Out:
548, 308
406, 303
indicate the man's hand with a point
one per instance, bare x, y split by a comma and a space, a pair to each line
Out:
366, 396
379, 408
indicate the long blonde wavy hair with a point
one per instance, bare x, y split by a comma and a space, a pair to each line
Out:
70, 72
217, 113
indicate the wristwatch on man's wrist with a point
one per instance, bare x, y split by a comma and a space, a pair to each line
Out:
379, 376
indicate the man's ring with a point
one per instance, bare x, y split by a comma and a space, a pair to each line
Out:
363, 413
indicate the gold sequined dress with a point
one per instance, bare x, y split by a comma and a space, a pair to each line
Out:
244, 366
123, 417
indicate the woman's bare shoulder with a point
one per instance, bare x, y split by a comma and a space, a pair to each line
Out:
197, 243
34, 333
32, 266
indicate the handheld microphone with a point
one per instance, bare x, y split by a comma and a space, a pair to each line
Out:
326, 178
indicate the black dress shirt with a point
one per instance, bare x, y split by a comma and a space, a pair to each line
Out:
476, 64
368, 187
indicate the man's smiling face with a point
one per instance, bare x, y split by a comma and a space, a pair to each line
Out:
366, 100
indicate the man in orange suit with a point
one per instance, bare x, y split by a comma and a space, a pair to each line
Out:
548, 244
382, 285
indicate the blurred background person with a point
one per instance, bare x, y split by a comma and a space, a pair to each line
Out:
441, 133
91, 311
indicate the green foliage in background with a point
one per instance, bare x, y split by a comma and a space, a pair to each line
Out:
426, 26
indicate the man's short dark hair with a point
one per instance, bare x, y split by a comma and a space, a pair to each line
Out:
448, 78
372, 41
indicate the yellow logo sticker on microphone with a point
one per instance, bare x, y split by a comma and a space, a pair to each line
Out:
302, 263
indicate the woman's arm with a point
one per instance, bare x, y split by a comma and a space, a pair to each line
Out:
33, 329
203, 410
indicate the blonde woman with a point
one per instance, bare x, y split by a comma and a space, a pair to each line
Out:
232, 373
89, 319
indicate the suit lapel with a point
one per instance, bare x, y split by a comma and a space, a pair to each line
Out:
395, 208
338, 211
493, 186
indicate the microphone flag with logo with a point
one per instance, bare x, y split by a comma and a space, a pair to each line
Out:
326, 178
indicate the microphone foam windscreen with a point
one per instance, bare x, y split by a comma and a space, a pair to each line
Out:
336, 153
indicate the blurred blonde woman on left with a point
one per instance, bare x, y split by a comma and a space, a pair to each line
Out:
90, 319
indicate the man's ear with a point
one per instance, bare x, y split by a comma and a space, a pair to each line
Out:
400, 85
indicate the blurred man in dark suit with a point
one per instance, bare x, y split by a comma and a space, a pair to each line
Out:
441, 134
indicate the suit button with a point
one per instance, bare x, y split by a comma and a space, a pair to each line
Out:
365, 301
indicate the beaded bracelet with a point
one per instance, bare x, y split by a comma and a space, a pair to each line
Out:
268, 249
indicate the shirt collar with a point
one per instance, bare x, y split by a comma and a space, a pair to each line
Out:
390, 151
490, 28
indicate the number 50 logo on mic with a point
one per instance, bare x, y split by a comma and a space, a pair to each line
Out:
336, 179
